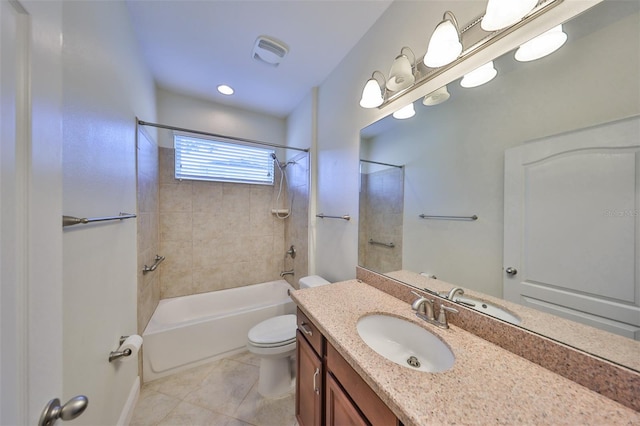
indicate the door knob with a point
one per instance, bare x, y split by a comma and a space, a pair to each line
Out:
511, 271
69, 411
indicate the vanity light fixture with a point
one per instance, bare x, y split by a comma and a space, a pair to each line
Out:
401, 74
446, 49
444, 45
543, 45
373, 92
225, 90
504, 13
479, 76
436, 97
405, 112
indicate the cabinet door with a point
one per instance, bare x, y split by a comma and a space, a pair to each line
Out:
308, 384
340, 409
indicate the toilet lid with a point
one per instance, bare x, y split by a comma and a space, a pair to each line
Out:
274, 331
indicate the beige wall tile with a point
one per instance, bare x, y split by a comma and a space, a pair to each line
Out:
176, 197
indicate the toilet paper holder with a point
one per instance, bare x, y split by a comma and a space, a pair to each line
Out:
113, 355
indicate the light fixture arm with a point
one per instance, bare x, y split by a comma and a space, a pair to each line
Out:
451, 18
413, 66
384, 79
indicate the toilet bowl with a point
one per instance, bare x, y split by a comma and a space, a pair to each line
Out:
274, 341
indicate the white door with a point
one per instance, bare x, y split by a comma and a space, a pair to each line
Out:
572, 226
30, 215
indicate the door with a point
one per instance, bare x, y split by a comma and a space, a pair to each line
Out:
30, 214
309, 386
571, 233
340, 409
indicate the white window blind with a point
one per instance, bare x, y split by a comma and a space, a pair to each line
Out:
206, 159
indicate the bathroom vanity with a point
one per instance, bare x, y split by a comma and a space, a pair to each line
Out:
341, 380
328, 390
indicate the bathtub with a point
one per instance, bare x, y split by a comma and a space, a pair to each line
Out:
188, 331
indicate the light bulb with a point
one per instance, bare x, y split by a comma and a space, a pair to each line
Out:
405, 112
543, 45
371, 94
479, 76
401, 74
504, 13
444, 45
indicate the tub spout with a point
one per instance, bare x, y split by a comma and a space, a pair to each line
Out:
283, 273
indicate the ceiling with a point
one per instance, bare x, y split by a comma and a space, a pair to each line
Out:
193, 46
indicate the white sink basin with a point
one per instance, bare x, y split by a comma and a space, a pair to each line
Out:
405, 343
489, 309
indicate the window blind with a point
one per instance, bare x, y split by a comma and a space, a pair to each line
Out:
207, 159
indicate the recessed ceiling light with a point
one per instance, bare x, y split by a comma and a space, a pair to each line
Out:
225, 90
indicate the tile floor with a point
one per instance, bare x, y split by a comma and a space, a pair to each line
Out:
223, 393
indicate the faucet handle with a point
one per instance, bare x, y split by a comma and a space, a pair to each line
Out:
442, 316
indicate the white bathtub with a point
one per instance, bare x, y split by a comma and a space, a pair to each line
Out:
191, 330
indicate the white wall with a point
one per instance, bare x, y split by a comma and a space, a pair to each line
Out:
197, 114
105, 86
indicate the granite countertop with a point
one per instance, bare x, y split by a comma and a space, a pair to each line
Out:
487, 384
619, 349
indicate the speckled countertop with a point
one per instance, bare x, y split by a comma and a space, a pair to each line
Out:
619, 349
487, 384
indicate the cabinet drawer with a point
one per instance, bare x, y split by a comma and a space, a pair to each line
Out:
311, 333
358, 390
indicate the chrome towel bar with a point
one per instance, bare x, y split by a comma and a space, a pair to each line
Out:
158, 260
71, 220
425, 216
322, 216
391, 245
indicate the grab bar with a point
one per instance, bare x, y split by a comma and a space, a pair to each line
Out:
425, 216
322, 216
392, 245
71, 220
158, 260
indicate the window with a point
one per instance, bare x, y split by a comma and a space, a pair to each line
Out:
216, 160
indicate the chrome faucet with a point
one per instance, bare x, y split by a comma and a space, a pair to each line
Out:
283, 273
453, 292
424, 310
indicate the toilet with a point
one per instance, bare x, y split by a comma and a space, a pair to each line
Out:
274, 341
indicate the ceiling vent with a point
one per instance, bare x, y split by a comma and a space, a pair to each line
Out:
269, 50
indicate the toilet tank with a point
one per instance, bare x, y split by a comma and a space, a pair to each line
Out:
312, 281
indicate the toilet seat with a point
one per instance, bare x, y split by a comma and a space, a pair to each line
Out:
274, 332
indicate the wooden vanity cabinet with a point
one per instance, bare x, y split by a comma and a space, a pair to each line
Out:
309, 384
328, 390
310, 373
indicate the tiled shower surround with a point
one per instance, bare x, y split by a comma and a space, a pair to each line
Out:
214, 235
381, 210
148, 234
218, 235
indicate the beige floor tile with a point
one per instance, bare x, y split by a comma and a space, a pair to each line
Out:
225, 387
152, 407
222, 393
181, 384
247, 358
267, 412
186, 414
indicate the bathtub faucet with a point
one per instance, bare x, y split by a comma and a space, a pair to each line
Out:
283, 273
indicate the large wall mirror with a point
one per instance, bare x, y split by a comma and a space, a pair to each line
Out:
546, 158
